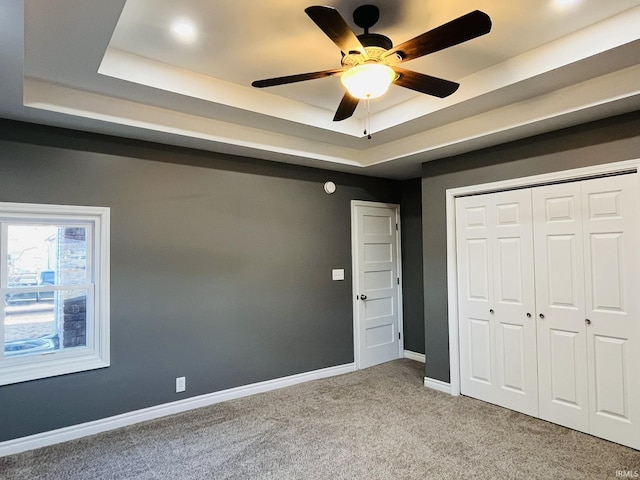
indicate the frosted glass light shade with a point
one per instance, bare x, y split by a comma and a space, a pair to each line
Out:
369, 80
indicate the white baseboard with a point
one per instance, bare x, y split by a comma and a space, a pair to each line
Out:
437, 385
418, 357
73, 432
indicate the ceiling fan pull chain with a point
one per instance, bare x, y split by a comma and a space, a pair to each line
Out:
367, 120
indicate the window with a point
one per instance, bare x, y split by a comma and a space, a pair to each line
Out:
54, 285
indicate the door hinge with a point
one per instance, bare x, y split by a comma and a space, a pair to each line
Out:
398, 335
398, 280
396, 226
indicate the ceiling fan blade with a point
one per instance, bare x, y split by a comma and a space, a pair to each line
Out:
301, 77
438, 87
456, 31
334, 26
346, 108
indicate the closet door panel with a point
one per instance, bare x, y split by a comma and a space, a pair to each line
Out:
562, 353
513, 280
475, 294
611, 209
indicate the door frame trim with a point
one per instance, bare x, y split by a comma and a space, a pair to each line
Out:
354, 277
453, 319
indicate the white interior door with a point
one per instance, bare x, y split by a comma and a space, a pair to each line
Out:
611, 210
496, 299
562, 352
376, 283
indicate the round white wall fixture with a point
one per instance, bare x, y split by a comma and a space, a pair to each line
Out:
329, 187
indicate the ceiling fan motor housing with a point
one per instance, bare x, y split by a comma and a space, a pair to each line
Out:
376, 45
375, 40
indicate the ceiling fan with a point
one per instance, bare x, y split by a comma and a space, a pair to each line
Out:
370, 61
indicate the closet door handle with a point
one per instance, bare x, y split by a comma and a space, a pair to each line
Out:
528, 315
587, 321
491, 311
542, 315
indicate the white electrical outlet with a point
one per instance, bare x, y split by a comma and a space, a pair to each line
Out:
181, 384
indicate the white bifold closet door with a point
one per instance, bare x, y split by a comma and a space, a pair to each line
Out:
496, 292
560, 302
598, 326
583, 295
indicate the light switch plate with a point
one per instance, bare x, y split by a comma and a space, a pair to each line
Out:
337, 274
181, 384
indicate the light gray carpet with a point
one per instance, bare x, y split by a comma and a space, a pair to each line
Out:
379, 423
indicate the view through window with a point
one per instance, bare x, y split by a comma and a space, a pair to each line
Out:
45, 303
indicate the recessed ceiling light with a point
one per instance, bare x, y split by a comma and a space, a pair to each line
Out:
565, 3
184, 30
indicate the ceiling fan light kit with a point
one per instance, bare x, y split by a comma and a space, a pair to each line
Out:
369, 60
368, 80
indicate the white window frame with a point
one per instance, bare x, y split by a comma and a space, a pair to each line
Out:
96, 353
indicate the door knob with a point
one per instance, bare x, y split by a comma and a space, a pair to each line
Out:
491, 311
587, 321
528, 315
541, 315
363, 297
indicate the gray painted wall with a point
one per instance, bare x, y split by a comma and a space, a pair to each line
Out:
605, 141
220, 269
412, 285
